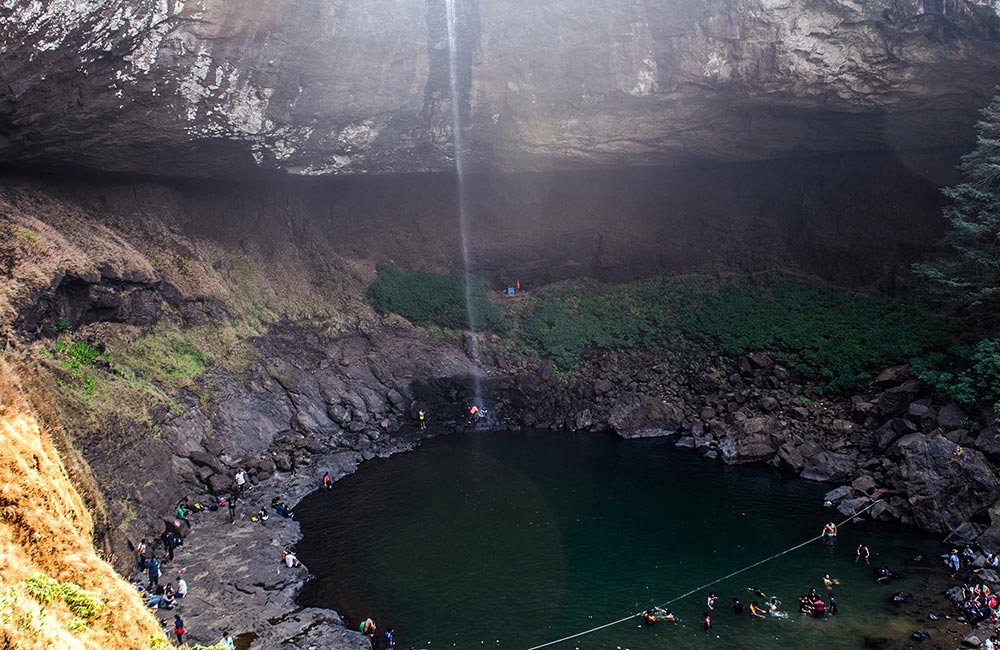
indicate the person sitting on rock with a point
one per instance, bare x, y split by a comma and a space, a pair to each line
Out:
227, 642
367, 628
288, 557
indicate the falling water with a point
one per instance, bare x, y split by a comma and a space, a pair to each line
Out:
456, 132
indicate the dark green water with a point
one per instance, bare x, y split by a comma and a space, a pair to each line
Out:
508, 540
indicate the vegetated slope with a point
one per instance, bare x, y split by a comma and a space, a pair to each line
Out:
55, 592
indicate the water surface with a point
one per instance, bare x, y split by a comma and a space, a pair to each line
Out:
508, 540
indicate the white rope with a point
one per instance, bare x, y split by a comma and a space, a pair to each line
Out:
708, 584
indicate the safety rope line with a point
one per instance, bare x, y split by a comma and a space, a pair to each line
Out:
709, 584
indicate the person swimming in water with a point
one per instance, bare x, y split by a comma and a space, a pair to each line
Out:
757, 592
755, 610
829, 582
657, 614
884, 575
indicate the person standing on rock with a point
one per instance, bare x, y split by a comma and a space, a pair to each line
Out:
241, 481
232, 508
179, 629
423, 424
327, 481
954, 563
153, 571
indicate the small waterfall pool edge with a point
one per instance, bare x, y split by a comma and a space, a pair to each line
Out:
511, 539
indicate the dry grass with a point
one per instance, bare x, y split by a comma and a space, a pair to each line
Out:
45, 533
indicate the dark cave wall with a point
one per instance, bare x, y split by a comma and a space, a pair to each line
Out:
852, 220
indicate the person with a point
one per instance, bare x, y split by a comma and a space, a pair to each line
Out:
327, 481
805, 605
182, 586
390, 639
241, 481
992, 643
864, 553
657, 614
737, 606
757, 592
773, 604
818, 607
291, 464
710, 601
169, 540
153, 571
707, 622
829, 582
367, 628
954, 563
232, 508
262, 515
179, 629
883, 575
227, 642
140, 553
833, 604
474, 413
168, 599
423, 422
830, 532
288, 557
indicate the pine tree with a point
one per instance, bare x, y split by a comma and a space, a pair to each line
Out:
973, 271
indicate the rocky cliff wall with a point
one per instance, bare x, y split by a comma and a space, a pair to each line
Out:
209, 87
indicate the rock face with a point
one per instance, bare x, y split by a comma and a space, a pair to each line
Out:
209, 87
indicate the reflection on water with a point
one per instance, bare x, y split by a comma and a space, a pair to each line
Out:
513, 539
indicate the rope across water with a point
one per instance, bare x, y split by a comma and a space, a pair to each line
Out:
707, 584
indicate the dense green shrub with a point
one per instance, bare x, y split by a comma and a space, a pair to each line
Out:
969, 375
433, 299
831, 335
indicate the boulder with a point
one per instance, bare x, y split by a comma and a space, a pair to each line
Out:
893, 376
760, 360
988, 441
950, 417
865, 484
945, 485
895, 401
838, 494
768, 403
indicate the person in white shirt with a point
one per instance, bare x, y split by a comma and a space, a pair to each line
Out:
182, 587
227, 642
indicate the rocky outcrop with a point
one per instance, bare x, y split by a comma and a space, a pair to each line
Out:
209, 87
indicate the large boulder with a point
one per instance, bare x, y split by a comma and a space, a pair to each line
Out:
640, 416
945, 484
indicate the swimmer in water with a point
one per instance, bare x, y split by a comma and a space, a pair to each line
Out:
829, 582
657, 614
755, 610
830, 531
710, 601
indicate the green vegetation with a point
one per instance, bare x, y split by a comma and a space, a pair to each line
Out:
973, 271
833, 336
432, 299
84, 605
968, 375
80, 359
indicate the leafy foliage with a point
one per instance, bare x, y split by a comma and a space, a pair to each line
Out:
432, 299
830, 335
974, 214
968, 375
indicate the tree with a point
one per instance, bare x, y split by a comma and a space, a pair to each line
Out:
972, 272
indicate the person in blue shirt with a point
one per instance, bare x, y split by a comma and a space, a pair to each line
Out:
153, 570
390, 640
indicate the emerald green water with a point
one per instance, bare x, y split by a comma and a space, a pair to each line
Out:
508, 540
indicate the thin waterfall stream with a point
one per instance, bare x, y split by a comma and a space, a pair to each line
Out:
459, 155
